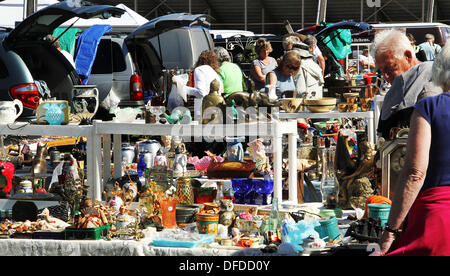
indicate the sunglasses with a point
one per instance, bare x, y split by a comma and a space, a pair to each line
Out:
292, 67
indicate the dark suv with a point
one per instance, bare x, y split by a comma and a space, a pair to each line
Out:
26, 57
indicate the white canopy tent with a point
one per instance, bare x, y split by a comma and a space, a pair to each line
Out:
11, 12
129, 21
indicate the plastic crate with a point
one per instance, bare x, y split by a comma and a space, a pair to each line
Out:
86, 233
49, 235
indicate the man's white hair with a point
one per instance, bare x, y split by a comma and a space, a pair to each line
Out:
291, 39
441, 68
393, 40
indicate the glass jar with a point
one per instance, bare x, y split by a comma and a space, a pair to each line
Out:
329, 186
185, 192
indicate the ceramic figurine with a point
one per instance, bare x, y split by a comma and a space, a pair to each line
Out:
90, 216
123, 219
235, 151
166, 141
178, 142
160, 159
130, 192
174, 118
213, 99
226, 214
115, 203
187, 118
180, 162
258, 153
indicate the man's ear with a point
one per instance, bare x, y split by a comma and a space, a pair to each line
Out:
409, 55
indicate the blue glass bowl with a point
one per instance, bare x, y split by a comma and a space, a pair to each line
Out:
241, 186
262, 186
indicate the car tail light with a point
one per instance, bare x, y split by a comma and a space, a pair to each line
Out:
28, 94
136, 88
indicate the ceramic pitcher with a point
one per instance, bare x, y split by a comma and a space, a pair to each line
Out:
8, 111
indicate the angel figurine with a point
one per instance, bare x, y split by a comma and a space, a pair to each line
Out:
258, 153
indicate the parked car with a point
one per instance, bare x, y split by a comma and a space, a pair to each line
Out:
25, 56
242, 48
126, 65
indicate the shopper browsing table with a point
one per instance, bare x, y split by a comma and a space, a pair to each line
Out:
282, 76
366, 62
422, 196
205, 71
311, 41
410, 79
230, 73
430, 47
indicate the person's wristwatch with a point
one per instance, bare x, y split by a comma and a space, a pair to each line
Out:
394, 231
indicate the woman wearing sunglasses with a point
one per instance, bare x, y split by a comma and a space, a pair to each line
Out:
282, 76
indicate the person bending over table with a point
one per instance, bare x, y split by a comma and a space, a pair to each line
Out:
410, 79
282, 76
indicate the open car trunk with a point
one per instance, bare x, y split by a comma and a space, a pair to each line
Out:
46, 63
148, 63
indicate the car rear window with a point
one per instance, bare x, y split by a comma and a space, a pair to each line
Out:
109, 58
3, 70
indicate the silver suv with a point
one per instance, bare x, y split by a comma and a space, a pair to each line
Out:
25, 56
127, 65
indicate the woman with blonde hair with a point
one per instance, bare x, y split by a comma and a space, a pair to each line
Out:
263, 64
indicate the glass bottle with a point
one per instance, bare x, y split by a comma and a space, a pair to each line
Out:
329, 187
219, 196
274, 223
141, 166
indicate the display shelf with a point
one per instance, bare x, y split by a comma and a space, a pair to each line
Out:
70, 130
369, 115
273, 129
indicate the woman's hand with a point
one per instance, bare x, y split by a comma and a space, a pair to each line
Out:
386, 241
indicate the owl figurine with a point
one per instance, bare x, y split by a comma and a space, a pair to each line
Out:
226, 214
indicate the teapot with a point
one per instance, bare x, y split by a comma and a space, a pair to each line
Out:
126, 115
9, 112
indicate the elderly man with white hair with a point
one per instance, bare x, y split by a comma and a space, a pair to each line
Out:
410, 79
422, 194
230, 73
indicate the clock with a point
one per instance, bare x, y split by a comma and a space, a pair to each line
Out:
392, 154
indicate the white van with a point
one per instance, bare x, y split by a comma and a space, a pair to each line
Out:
440, 31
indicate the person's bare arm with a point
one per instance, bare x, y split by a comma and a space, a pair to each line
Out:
411, 177
321, 62
258, 74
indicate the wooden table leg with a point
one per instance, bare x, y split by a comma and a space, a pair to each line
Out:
300, 188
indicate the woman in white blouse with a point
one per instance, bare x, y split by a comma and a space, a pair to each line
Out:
205, 71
